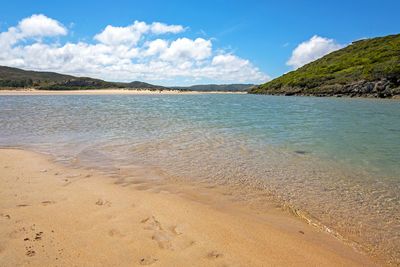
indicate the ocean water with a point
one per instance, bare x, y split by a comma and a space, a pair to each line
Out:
333, 161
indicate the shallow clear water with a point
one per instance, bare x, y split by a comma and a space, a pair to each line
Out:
336, 161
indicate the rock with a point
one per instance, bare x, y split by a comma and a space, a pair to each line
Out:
302, 152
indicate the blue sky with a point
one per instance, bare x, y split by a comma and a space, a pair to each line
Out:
237, 41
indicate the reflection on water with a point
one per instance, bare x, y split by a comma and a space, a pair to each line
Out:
335, 160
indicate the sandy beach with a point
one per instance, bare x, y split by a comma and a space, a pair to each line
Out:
51, 215
107, 92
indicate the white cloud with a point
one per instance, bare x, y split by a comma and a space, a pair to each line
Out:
311, 50
123, 54
184, 48
156, 47
160, 28
40, 25
34, 26
227, 60
132, 34
231, 65
122, 35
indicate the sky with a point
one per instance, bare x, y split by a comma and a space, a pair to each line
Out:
184, 42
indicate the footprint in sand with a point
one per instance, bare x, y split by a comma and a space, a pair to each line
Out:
152, 224
73, 175
163, 240
167, 239
115, 233
23, 205
67, 182
5, 216
101, 202
177, 230
147, 260
214, 255
30, 253
48, 202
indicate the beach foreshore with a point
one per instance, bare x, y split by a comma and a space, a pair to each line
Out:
54, 215
114, 91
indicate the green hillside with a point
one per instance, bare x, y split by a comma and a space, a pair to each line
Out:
138, 84
368, 68
18, 78
8, 73
14, 78
11, 78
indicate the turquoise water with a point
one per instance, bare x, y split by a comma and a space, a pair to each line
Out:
335, 160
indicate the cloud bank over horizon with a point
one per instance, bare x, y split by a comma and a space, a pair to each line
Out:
311, 50
139, 51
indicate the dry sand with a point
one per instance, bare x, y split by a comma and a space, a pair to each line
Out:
106, 92
51, 215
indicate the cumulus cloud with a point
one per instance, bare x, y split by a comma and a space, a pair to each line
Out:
184, 48
311, 50
133, 52
34, 26
122, 35
40, 25
131, 34
159, 28
156, 47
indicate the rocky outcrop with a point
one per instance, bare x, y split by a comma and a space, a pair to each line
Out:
380, 88
376, 89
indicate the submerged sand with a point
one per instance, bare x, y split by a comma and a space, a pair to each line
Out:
52, 215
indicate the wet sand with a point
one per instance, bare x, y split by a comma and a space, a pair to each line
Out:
54, 215
107, 92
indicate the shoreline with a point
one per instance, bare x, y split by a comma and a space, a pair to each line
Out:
84, 216
109, 92
395, 97
119, 91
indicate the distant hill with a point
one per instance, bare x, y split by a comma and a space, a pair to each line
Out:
17, 78
369, 67
8, 73
137, 84
220, 87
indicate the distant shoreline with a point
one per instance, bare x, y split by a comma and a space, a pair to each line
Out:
118, 91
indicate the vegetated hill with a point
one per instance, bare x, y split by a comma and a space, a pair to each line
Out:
220, 87
17, 78
13, 78
138, 85
9, 73
368, 68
